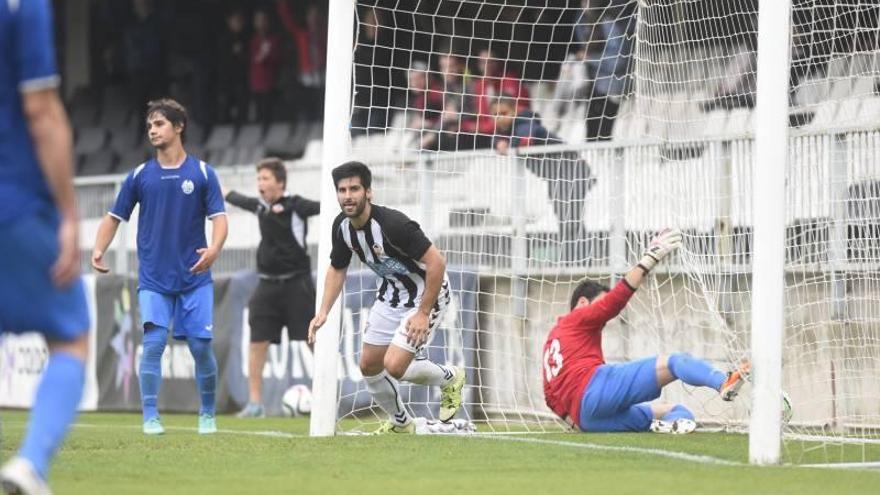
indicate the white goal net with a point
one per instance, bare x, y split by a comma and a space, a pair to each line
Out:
538, 143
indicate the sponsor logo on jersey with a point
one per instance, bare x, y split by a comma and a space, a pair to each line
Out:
277, 208
387, 267
187, 186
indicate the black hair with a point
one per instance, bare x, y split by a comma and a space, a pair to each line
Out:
353, 169
276, 166
587, 289
171, 110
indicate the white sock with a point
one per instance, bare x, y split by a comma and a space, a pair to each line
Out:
425, 372
383, 388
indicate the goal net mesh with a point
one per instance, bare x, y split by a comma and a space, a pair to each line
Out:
538, 143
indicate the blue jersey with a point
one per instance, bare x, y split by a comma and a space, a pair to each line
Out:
27, 63
171, 223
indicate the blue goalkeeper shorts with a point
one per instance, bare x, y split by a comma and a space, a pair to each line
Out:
616, 399
192, 313
29, 301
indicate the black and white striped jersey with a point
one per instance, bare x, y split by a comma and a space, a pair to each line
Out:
391, 244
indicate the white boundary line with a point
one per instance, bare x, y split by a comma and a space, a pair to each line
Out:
680, 456
256, 433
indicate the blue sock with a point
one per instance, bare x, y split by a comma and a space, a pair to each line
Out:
150, 371
678, 412
206, 372
55, 405
694, 371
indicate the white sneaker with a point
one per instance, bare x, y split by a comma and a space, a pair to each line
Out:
18, 477
681, 426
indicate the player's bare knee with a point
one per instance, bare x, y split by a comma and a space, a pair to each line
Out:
396, 367
369, 368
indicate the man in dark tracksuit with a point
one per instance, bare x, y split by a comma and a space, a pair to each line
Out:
285, 296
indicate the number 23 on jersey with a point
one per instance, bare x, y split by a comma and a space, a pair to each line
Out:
552, 360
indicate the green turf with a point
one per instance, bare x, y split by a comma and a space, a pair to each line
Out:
106, 453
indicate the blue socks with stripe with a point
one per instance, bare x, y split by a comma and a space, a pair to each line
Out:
206, 372
150, 372
694, 371
55, 406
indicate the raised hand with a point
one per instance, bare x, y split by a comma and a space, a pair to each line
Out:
664, 243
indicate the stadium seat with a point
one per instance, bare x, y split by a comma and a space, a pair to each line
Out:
129, 160
870, 111
101, 162
195, 134
89, 140
220, 138
825, 115
83, 116
277, 140
126, 138
249, 135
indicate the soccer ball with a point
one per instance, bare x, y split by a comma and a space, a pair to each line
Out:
297, 401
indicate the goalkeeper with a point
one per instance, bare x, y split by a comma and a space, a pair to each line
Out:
598, 397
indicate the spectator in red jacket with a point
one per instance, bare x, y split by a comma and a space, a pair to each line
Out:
310, 45
265, 61
424, 98
495, 80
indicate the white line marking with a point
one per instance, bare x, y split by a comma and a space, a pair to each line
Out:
257, 433
680, 456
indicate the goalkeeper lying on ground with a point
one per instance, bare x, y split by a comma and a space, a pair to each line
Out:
594, 396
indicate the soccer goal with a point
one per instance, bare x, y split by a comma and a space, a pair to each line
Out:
541, 143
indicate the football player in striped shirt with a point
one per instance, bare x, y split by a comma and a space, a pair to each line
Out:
412, 296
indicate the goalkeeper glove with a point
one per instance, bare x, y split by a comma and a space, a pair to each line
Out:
664, 243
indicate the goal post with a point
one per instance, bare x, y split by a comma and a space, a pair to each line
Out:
335, 150
768, 260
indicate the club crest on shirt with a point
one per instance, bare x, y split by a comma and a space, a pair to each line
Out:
277, 208
187, 186
378, 250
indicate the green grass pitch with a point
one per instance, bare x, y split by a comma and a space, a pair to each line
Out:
106, 453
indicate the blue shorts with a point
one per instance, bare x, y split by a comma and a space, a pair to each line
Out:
192, 313
28, 299
617, 397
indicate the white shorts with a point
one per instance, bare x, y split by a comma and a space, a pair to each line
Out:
387, 325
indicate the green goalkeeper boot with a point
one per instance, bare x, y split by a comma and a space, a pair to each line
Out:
450, 397
389, 428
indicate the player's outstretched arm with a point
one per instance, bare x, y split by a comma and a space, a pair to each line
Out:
106, 232
661, 245
435, 267
208, 255
53, 142
333, 283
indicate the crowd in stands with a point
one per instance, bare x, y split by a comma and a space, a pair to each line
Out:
252, 73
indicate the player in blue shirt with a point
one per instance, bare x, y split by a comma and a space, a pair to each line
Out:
40, 286
176, 192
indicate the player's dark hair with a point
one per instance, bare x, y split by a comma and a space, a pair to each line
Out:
171, 110
587, 289
276, 166
353, 169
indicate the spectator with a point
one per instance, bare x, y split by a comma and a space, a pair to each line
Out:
518, 128
424, 98
265, 52
310, 43
494, 81
446, 135
144, 53
372, 74
573, 86
232, 69
606, 28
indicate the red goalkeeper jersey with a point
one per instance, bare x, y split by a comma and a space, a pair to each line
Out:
573, 351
